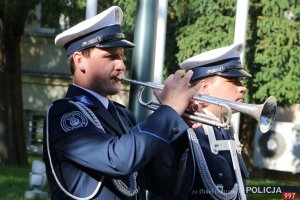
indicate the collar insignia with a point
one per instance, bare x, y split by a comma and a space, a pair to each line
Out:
85, 100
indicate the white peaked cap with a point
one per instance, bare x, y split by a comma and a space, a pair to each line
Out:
100, 30
224, 61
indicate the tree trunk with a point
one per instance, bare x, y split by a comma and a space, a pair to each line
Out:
12, 141
248, 125
12, 134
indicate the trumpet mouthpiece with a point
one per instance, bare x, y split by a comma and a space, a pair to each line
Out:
120, 77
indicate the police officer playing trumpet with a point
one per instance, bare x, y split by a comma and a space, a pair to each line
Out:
93, 147
217, 172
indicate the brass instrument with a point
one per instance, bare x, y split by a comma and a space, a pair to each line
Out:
263, 113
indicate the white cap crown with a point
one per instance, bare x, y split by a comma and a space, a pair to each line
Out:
223, 61
111, 16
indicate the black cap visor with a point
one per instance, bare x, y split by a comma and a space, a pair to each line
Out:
116, 43
234, 73
229, 67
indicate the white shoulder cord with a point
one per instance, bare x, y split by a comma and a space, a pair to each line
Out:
54, 174
204, 172
118, 183
132, 190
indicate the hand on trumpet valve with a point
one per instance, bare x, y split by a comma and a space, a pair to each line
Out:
177, 92
194, 106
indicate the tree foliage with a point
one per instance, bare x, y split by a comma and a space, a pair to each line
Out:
275, 50
200, 26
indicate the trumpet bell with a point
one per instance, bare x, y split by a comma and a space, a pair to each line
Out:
267, 115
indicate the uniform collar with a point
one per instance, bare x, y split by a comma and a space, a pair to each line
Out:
94, 100
208, 112
101, 98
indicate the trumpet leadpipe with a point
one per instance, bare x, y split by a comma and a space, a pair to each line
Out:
196, 116
264, 113
145, 84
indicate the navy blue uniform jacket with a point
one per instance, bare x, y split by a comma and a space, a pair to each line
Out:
219, 165
82, 154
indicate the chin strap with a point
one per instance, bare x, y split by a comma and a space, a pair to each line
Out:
122, 188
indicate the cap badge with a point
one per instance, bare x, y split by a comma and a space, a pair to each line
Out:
117, 15
219, 69
239, 49
84, 44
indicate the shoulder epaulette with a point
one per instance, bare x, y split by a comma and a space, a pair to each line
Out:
65, 99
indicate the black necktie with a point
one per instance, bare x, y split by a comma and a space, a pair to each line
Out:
226, 134
113, 111
243, 165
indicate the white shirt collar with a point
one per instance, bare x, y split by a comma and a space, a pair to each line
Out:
101, 98
206, 111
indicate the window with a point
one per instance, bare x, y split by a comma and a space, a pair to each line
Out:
34, 131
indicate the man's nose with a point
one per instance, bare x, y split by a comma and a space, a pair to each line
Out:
120, 65
243, 89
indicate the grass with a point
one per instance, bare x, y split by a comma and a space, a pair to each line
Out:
14, 182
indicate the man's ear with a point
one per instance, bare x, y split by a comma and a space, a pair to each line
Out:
204, 86
79, 61
204, 83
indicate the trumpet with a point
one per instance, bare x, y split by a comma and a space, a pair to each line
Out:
263, 113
